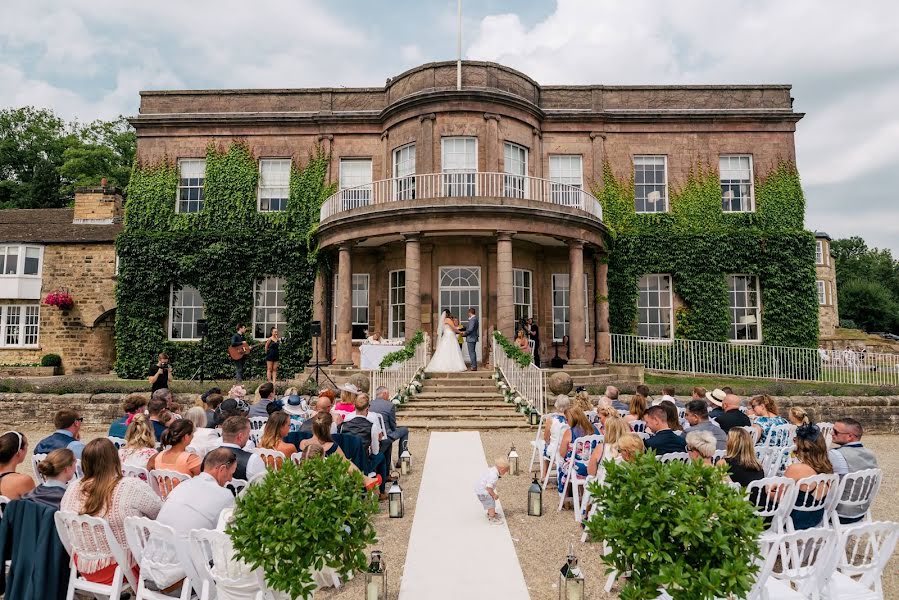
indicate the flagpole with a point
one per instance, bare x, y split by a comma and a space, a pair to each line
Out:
459, 49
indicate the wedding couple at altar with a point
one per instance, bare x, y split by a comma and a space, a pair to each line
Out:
448, 353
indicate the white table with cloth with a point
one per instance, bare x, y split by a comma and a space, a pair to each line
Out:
371, 355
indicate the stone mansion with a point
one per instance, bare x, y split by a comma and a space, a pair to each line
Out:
481, 197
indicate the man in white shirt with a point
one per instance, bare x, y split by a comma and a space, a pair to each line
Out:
235, 435
198, 502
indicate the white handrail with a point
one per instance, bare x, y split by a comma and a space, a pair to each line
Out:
458, 185
528, 381
757, 360
399, 375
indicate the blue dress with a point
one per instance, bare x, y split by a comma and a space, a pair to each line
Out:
805, 519
579, 465
766, 423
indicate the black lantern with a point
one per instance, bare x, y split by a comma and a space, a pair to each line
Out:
405, 460
535, 499
513, 461
376, 578
571, 580
395, 501
534, 418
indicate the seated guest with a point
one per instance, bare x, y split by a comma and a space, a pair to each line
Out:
204, 438
742, 465
13, 450
637, 408
698, 393
366, 427
521, 340
103, 492
375, 338
732, 416
266, 394
582, 399
160, 417
322, 444
133, 404
798, 417
715, 399
643, 390
231, 407
663, 440
698, 418
322, 405
578, 427
668, 394
211, 401
67, 435
347, 402
612, 395
629, 446
295, 408
387, 409
198, 502
277, 426
615, 429
672, 417
811, 456
847, 437
766, 415
235, 433
701, 446
176, 457
58, 469
553, 427
140, 443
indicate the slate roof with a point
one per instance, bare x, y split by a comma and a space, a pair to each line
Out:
51, 226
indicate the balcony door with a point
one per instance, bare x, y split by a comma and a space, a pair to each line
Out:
515, 164
460, 289
459, 159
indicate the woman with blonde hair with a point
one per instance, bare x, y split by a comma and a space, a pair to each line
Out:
637, 408
521, 340
742, 465
615, 428
276, 428
103, 492
630, 445
57, 468
140, 443
553, 426
582, 401
176, 457
766, 416
578, 426
798, 417
204, 438
701, 446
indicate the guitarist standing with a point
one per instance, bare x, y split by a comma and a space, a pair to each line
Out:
238, 341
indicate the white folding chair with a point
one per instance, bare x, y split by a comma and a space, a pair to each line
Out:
827, 431
212, 555
138, 472
583, 448
91, 539
236, 486
537, 444
79, 473
779, 436
681, 414
638, 426
753, 433
674, 457
623, 413
719, 455
296, 457
797, 564
255, 436
855, 495
554, 462
258, 423
774, 459
773, 499
35, 459
814, 498
642, 435
116, 441
862, 554
154, 547
163, 481
273, 459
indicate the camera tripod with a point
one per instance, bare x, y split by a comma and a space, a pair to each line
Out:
200, 371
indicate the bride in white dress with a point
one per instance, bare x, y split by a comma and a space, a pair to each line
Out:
448, 354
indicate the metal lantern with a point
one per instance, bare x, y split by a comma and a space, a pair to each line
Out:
535, 499
405, 460
376, 578
513, 461
534, 418
571, 580
395, 501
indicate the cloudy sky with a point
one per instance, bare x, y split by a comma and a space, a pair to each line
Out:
89, 58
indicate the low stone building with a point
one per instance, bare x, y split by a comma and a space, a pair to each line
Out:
826, 286
69, 250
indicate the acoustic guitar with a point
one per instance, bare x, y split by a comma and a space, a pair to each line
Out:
238, 352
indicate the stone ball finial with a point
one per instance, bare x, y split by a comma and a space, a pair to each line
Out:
360, 381
560, 383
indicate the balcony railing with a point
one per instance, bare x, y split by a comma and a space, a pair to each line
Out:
459, 185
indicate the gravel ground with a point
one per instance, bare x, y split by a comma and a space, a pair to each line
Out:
542, 543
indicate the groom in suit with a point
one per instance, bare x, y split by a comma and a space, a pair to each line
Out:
471, 337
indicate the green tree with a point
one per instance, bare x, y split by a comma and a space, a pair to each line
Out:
103, 149
867, 284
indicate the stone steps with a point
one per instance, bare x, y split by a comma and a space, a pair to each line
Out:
457, 425
435, 395
483, 414
455, 403
455, 389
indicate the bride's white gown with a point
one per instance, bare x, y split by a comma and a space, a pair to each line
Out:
448, 355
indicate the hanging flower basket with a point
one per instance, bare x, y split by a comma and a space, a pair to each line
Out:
60, 299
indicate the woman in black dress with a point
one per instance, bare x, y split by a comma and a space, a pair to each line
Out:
272, 355
742, 465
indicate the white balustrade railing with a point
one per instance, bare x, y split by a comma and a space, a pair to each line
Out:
399, 375
755, 360
528, 381
458, 185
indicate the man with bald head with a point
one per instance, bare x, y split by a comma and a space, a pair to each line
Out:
322, 405
612, 394
733, 416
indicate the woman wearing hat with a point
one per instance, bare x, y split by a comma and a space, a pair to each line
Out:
347, 403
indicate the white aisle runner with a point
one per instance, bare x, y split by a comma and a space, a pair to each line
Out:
454, 552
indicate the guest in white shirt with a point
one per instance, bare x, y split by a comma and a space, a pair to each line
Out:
205, 439
235, 433
375, 338
198, 502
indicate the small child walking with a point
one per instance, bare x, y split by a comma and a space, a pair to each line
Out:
486, 488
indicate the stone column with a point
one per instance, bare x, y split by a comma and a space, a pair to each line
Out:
598, 145
319, 310
344, 294
424, 148
505, 303
492, 154
603, 335
413, 284
537, 153
326, 141
576, 325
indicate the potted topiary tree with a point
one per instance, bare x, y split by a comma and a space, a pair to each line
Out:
676, 527
302, 519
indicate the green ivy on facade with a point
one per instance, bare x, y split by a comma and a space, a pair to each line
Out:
222, 251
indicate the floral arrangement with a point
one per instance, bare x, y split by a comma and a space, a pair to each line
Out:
60, 299
415, 386
404, 354
510, 394
521, 357
238, 392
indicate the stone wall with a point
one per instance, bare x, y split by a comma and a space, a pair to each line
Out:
828, 313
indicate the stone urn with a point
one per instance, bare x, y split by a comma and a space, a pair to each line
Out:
560, 383
360, 381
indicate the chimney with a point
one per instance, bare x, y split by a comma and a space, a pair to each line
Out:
98, 205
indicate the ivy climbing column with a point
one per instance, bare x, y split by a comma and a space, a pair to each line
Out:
603, 337
319, 304
344, 305
412, 297
576, 313
505, 307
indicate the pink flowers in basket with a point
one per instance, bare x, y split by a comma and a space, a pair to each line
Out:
60, 299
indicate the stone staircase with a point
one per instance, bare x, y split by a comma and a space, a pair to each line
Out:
457, 401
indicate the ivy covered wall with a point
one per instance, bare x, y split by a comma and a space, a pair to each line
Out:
699, 245
221, 250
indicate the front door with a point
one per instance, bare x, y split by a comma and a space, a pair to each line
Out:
460, 289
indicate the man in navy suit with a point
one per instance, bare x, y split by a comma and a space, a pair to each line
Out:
471, 337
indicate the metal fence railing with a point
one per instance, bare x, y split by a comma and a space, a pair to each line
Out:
399, 375
529, 381
755, 360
